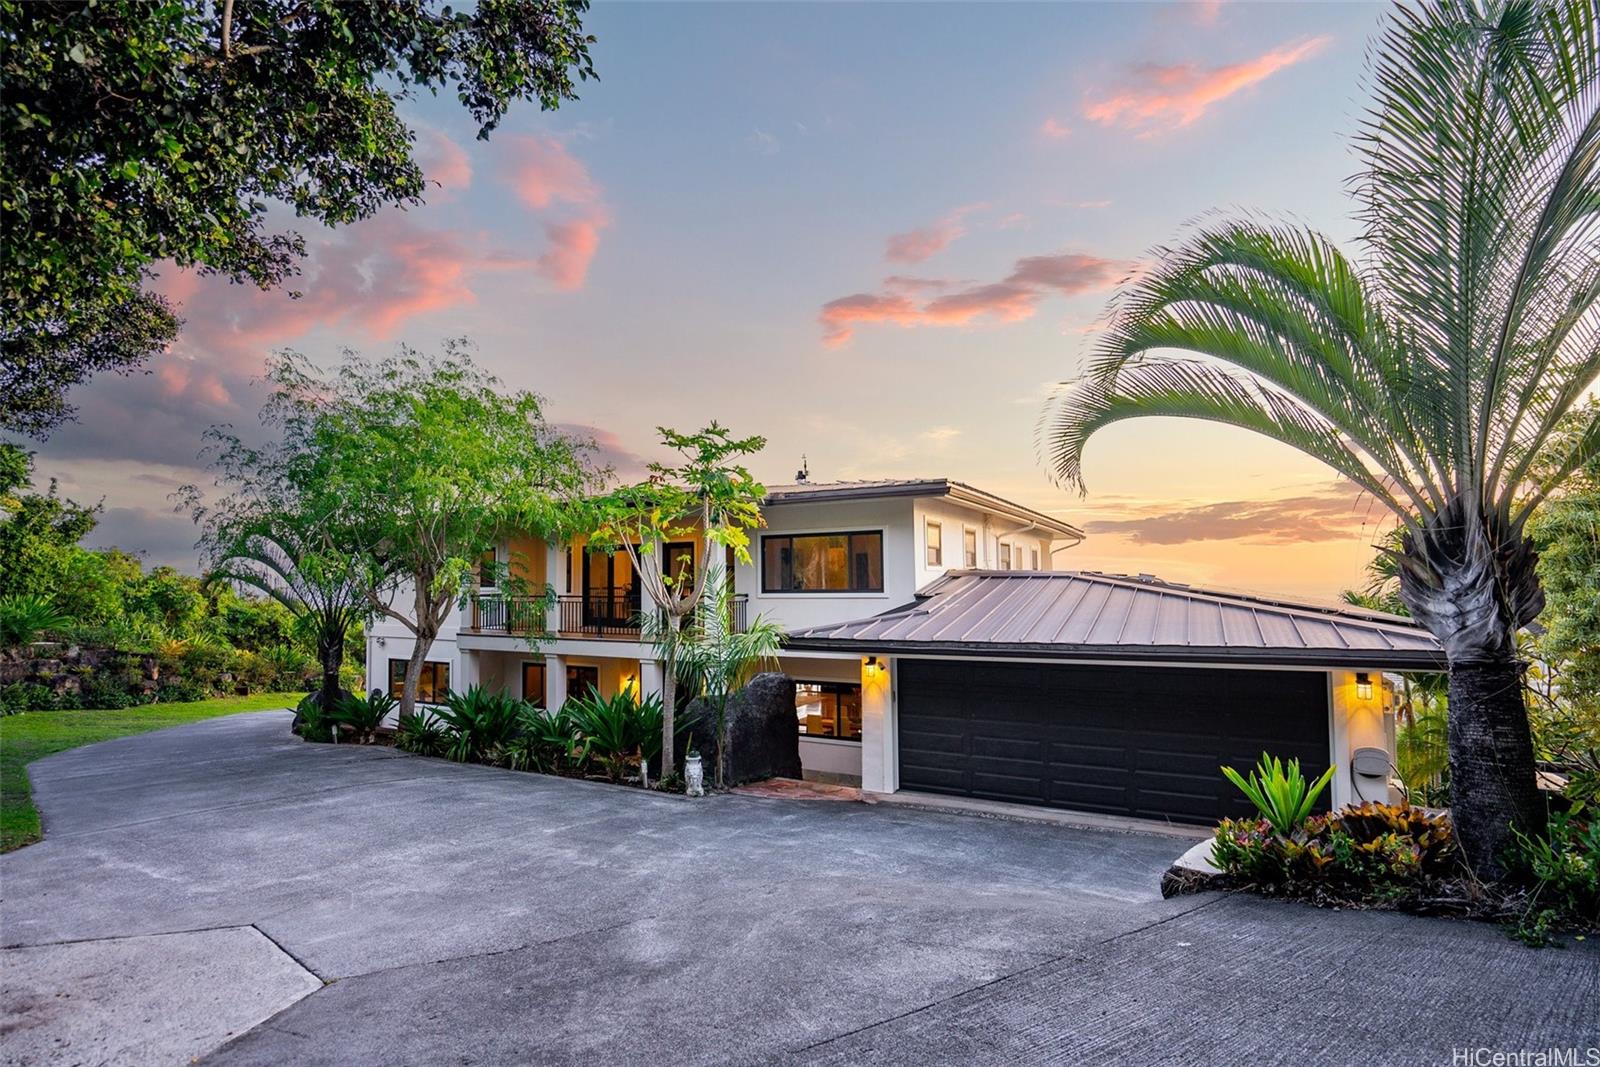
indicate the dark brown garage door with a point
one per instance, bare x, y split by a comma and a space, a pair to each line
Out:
1144, 741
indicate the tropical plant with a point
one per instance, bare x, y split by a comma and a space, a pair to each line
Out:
1422, 752
1564, 866
1432, 373
1280, 792
549, 741
364, 715
709, 498
316, 723
718, 661
614, 729
479, 723
419, 734
23, 617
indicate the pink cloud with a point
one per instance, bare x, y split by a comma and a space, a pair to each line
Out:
1206, 11
572, 246
548, 178
374, 276
1051, 129
1012, 299
1157, 98
445, 162
914, 246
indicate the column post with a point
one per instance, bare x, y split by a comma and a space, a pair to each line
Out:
555, 681
880, 746
1357, 721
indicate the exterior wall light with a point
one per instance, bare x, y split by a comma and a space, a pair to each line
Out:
872, 664
1363, 686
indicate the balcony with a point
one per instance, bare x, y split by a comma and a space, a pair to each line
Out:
616, 618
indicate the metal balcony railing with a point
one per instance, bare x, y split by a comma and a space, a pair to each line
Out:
576, 615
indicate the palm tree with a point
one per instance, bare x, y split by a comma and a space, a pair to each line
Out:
1432, 371
325, 589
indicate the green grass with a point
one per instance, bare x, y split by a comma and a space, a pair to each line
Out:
33, 735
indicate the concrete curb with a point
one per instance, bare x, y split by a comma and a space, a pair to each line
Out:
994, 809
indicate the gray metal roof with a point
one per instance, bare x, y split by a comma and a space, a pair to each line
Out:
1089, 615
811, 492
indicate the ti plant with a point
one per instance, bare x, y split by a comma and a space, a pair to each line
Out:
1280, 792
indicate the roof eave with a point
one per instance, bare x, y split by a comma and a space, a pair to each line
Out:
1382, 659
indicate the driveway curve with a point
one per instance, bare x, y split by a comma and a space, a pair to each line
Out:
223, 890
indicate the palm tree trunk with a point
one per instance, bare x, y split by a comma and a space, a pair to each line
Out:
330, 654
1493, 789
1471, 579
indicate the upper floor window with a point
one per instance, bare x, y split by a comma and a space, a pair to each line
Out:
1033, 555
822, 563
486, 570
1005, 556
969, 548
935, 546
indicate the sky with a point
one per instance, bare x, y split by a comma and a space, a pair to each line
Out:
878, 235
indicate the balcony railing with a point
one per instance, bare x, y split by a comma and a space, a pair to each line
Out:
576, 616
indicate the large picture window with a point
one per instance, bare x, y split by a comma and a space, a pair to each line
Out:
822, 563
431, 686
828, 709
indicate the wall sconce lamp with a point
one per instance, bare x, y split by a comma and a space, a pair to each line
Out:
873, 664
1363, 686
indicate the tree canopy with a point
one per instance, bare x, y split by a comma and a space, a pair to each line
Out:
415, 465
136, 132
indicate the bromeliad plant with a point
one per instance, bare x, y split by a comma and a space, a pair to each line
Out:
549, 742
1280, 792
617, 731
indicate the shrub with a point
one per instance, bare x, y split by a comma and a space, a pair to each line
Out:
617, 730
26, 616
418, 733
481, 723
1564, 867
549, 741
315, 724
26, 696
1280, 793
1373, 853
363, 715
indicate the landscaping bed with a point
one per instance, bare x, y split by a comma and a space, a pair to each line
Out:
1402, 858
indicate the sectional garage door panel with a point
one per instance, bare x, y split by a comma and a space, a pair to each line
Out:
1125, 741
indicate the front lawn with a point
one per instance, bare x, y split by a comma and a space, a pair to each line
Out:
32, 735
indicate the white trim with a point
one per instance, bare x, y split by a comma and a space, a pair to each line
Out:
1067, 662
813, 738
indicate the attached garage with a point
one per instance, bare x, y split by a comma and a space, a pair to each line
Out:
1118, 695
1144, 743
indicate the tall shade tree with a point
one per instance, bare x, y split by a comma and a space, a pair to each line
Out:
1431, 370
421, 463
137, 132
709, 498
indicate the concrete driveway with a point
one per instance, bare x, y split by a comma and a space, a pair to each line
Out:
224, 891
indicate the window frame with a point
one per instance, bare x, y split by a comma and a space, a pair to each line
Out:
933, 553
488, 581
770, 590
1033, 557
836, 688
434, 664
1004, 550
969, 556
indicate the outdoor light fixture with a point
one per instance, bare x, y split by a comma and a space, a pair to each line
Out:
1363, 686
872, 664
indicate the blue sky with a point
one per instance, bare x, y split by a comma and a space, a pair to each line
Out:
873, 233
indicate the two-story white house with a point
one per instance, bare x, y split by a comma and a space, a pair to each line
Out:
940, 643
